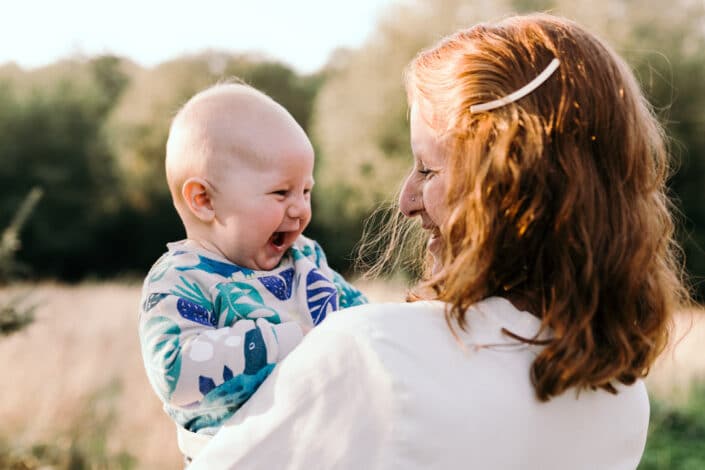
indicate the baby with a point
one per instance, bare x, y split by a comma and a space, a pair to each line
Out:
222, 307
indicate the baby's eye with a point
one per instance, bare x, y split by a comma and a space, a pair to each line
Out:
280, 192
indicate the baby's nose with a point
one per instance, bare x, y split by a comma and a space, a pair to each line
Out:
299, 208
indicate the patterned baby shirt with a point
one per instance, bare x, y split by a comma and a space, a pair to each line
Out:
211, 331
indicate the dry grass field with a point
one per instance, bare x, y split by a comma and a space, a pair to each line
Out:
76, 373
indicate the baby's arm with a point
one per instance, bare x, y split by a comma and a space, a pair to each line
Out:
187, 357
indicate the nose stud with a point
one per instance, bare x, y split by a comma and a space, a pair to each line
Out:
413, 198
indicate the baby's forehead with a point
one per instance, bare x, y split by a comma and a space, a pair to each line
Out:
238, 124
232, 105
232, 116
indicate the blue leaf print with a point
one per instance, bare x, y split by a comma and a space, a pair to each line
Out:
152, 301
205, 384
253, 312
192, 292
295, 253
255, 352
279, 285
322, 296
217, 267
349, 296
222, 402
241, 289
320, 256
238, 300
162, 354
160, 268
227, 373
194, 312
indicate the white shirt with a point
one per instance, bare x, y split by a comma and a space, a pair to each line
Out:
387, 386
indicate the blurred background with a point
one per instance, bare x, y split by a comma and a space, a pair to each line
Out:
87, 92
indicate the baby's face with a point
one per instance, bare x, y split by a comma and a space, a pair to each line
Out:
262, 206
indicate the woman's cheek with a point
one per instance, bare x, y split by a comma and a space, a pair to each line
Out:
435, 200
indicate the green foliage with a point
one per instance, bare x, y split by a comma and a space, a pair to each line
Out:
10, 241
360, 119
92, 133
15, 314
676, 435
53, 139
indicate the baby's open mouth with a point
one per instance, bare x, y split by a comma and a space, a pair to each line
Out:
283, 240
278, 239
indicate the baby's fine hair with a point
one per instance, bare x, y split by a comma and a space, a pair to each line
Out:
180, 162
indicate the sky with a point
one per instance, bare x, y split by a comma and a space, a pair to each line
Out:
301, 33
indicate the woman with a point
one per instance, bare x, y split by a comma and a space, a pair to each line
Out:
550, 282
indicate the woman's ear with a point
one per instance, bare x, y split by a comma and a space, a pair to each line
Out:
197, 195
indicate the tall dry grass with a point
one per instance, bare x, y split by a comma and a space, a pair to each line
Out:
84, 340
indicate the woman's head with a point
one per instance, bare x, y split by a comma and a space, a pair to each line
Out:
555, 200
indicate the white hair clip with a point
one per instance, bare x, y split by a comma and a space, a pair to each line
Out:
520, 93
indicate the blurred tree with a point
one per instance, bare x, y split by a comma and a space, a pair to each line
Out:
10, 239
52, 137
91, 132
15, 314
110, 80
669, 56
360, 121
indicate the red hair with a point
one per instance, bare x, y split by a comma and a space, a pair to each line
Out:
557, 201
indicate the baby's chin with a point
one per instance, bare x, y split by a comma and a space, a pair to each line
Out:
269, 264
268, 259
255, 263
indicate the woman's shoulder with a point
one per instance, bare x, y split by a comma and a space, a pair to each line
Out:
369, 321
382, 313
485, 320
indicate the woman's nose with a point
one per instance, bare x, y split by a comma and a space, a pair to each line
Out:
410, 202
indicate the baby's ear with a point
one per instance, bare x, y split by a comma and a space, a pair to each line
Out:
197, 195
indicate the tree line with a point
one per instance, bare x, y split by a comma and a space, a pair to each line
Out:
90, 132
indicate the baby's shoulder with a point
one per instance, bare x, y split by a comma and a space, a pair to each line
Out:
181, 265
